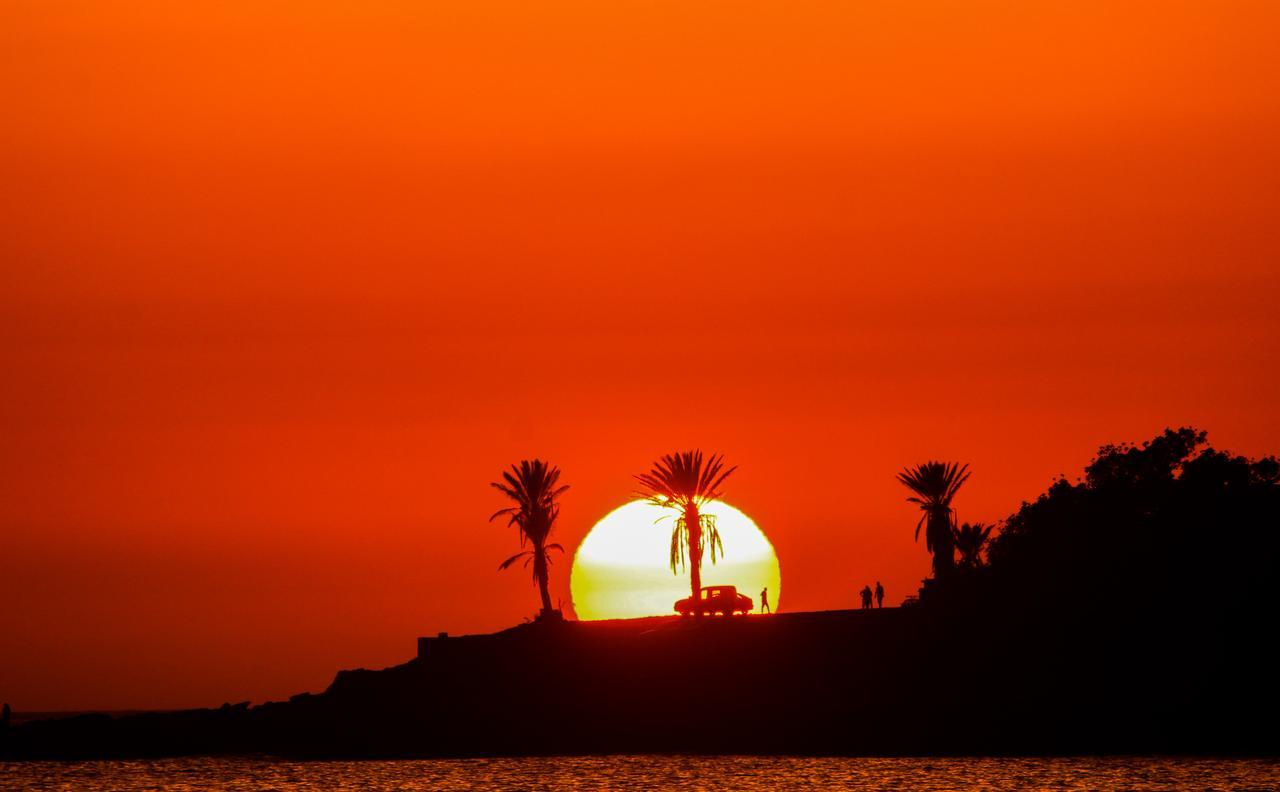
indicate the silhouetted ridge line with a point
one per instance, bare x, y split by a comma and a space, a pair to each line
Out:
1130, 611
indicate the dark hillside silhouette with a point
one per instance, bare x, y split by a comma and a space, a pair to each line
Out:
1089, 630
1152, 527
1146, 590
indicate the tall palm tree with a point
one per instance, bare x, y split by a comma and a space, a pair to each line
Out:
684, 483
935, 485
970, 539
532, 485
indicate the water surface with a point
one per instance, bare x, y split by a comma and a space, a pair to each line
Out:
649, 772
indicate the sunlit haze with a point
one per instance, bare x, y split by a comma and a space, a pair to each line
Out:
621, 569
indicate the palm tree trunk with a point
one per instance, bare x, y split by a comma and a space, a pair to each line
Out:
944, 559
693, 523
541, 573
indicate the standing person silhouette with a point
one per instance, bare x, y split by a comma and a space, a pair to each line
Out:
866, 597
879, 595
764, 600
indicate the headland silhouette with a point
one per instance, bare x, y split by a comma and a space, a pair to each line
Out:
1129, 610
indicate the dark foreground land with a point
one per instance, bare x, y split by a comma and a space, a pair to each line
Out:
896, 681
1130, 611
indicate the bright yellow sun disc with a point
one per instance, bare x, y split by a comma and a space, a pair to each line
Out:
622, 570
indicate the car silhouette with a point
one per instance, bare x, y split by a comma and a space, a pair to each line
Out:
716, 599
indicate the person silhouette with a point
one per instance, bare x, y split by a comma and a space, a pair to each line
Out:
879, 595
764, 601
866, 597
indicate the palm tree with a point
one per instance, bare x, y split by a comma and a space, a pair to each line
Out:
970, 539
685, 484
935, 485
532, 485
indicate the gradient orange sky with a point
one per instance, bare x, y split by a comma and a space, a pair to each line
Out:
284, 285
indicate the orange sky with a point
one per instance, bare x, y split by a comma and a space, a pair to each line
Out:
284, 284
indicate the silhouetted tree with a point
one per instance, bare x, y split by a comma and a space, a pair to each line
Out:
685, 484
532, 485
935, 485
1163, 558
970, 539
1149, 523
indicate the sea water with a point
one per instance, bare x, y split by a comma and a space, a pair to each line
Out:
650, 772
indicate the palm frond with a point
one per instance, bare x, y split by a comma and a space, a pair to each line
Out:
532, 487
510, 511
934, 485
934, 481
684, 483
679, 546
680, 478
970, 540
514, 559
711, 536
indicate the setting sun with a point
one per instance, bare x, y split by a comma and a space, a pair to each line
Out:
620, 570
